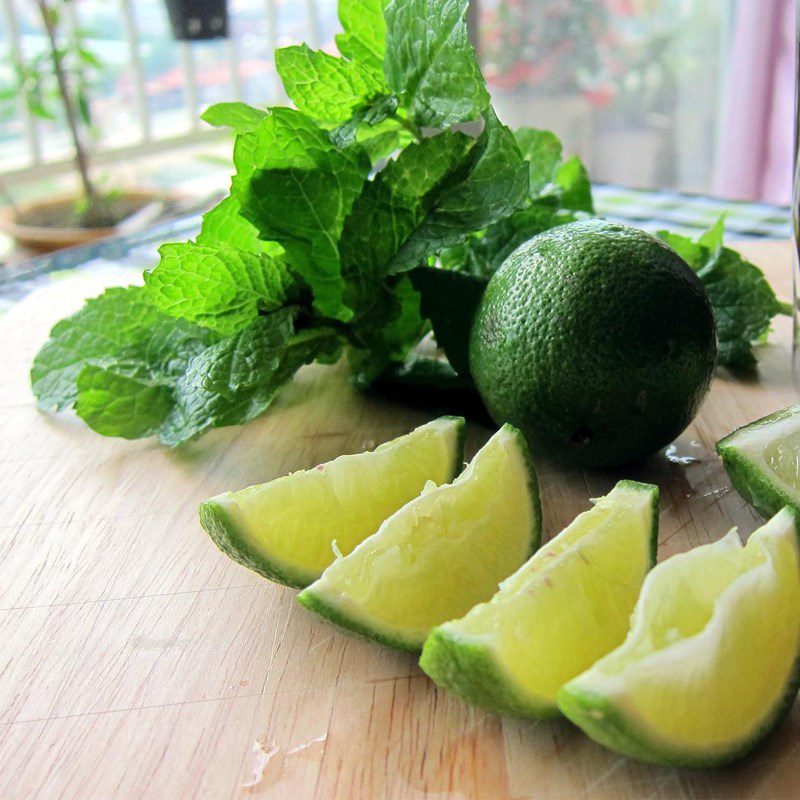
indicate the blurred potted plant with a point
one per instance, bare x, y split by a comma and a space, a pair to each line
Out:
193, 20
537, 56
53, 83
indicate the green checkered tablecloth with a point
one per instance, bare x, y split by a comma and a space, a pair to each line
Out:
651, 210
690, 214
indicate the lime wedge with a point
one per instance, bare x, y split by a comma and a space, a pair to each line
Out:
440, 554
763, 461
710, 665
566, 607
290, 529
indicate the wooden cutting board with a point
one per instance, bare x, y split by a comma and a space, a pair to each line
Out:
137, 661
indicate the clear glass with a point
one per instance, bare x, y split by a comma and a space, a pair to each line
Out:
796, 204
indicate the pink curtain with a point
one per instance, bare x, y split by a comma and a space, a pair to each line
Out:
754, 160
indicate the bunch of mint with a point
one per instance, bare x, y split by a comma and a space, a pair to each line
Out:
369, 214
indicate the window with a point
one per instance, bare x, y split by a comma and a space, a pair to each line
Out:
638, 88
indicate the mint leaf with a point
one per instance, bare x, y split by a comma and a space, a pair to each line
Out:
297, 188
430, 64
371, 235
575, 188
744, 303
712, 238
549, 175
224, 224
542, 150
221, 287
113, 404
242, 362
424, 165
693, 253
163, 381
406, 328
491, 183
237, 379
238, 116
364, 37
120, 328
326, 88
449, 301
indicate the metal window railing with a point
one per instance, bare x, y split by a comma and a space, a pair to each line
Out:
30, 133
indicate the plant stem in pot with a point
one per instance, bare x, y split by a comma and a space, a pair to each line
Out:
97, 212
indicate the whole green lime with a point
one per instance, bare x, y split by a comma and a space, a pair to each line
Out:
597, 341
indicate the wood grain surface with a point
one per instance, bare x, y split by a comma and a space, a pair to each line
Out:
136, 661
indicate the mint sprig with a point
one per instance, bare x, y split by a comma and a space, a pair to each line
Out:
744, 303
120, 330
342, 214
131, 370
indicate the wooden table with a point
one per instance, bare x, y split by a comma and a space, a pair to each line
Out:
137, 661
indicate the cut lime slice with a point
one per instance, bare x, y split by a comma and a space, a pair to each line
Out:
440, 554
290, 529
710, 665
566, 607
763, 461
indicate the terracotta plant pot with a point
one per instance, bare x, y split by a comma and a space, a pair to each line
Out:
42, 238
196, 20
